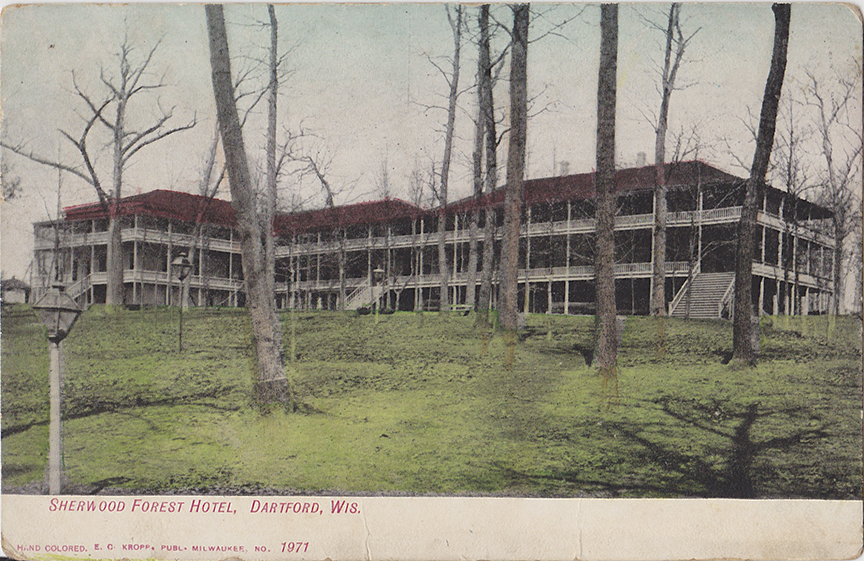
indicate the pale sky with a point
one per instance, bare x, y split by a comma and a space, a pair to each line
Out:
361, 80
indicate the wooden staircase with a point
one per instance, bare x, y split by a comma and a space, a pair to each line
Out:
362, 296
708, 294
78, 289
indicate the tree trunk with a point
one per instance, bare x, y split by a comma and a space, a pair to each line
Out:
114, 257
270, 199
488, 115
114, 263
837, 265
273, 386
606, 351
515, 166
343, 292
192, 256
477, 160
443, 268
471, 275
658, 278
742, 343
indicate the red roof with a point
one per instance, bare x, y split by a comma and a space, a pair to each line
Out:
179, 206
581, 186
372, 212
161, 203
186, 207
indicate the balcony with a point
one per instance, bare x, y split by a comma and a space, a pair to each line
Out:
161, 277
147, 235
728, 215
549, 274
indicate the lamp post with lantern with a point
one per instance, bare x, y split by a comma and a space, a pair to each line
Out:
58, 312
181, 267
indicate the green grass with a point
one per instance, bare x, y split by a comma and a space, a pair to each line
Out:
424, 404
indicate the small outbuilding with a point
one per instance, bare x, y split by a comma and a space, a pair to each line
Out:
14, 291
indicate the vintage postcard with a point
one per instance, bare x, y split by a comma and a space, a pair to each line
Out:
431, 281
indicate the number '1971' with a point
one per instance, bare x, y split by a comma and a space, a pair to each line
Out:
295, 547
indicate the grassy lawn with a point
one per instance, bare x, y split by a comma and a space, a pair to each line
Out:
424, 404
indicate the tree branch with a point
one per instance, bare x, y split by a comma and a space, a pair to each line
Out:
160, 136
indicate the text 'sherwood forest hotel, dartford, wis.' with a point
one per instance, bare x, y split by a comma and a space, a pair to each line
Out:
386, 251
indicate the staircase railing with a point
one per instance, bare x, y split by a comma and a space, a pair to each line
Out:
681, 292
728, 299
78, 288
359, 296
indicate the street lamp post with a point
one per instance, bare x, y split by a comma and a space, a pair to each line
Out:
182, 266
58, 312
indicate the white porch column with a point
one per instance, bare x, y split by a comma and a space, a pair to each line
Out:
527, 306
168, 268
567, 265
761, 295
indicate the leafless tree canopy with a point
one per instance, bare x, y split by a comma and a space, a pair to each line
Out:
673, 52
110, 108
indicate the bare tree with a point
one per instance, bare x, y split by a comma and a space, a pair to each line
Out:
485, 140
208, 188
673, 53
11, 182
477, 165
271, 195
487, 113
790, 166
418, 186
515, 166
606, 351
131, 79
858, 259
319, 170
441, 192
839, 133
273, 385
742, 342
210, 182
420, 183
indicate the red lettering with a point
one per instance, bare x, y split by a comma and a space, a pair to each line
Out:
65, 548
113, 506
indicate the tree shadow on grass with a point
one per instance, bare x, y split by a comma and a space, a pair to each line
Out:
93, 408
680, 474
737, 479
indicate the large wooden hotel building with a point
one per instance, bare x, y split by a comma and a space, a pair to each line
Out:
386, 251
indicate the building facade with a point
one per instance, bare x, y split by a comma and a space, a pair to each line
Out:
386, 251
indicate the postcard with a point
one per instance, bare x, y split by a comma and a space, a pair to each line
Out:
431, 281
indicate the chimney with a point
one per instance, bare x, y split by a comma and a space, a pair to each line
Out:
640, 159
564, 168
